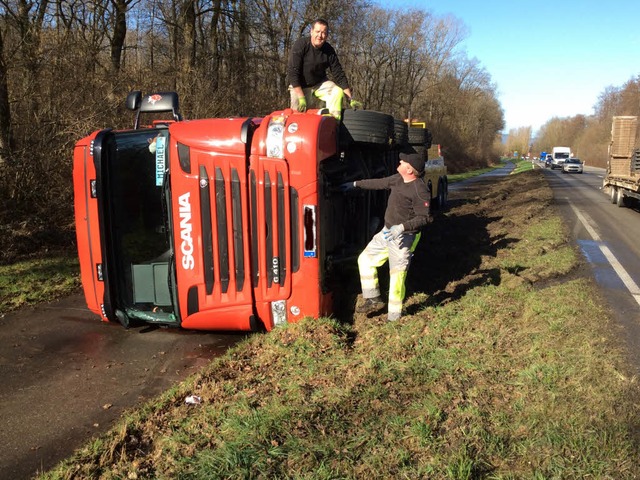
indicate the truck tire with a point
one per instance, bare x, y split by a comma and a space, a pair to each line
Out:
613, 193
401, 132
418, 136
443, 194
620, 200
366, 126
421, 150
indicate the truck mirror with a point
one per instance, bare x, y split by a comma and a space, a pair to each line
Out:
133, 100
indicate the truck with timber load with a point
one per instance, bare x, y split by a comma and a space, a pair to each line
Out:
622, 179
231, 224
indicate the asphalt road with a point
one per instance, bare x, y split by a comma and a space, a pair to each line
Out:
65, 377
608, 238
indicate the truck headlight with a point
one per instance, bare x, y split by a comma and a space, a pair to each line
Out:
275, 137
279, 312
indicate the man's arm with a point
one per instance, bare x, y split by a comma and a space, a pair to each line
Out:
376, 183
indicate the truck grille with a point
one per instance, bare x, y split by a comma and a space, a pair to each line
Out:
271, 213
221, 255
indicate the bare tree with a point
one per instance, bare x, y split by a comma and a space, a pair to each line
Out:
5, 113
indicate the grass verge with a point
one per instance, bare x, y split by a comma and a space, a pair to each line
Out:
37, 280
506, 366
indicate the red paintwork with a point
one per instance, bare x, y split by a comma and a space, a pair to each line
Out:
217, 144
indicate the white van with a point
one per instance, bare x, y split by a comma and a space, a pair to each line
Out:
559, 155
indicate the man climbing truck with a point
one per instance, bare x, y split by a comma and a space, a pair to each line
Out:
225, 223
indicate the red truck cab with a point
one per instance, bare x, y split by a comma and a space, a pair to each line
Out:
224, 223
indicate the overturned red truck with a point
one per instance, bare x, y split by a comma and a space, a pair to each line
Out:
229, 223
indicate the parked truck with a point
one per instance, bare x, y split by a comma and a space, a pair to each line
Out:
558, 156
229, 223
622, 180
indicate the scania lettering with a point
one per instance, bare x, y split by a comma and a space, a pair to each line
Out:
230, 223
185, 232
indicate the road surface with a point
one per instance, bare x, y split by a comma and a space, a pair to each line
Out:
608, 237
66, 376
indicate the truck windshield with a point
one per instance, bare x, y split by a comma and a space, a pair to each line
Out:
140, 245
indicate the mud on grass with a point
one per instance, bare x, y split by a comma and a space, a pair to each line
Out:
491, 374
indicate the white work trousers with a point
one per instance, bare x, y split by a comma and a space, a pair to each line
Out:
399, 252
328, 92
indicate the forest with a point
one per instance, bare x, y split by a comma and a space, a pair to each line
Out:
66, 67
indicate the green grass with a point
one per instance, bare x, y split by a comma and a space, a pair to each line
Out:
520, 166
459, 177
517, 378
33, 281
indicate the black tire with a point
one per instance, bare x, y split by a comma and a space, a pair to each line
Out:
422, 150
417, 136
401, 132
613, 194
442, 194
620, 199
428, 143
432, 206
365, 126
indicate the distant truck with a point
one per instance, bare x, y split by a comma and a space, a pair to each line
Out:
231, 223
622, 180
558, 156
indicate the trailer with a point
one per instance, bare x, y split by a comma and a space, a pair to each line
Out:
622, 180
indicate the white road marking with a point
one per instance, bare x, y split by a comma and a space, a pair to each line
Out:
587, 222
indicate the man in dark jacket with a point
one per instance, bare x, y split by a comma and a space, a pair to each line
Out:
309, 60
407, 212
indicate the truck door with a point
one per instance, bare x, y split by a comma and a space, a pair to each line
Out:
136, 254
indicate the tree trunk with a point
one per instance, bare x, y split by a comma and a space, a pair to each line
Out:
6, 146
119, 32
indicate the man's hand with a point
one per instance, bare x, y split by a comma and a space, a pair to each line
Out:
302, 104
394, 232
345, 187
355, 104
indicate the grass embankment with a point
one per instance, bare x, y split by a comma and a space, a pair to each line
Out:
37, 280
505, 366
520, 166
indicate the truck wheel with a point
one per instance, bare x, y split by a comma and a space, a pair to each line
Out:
432, 205
620, 200
442, 195
365, 126
401, 132
613, 193
417, 136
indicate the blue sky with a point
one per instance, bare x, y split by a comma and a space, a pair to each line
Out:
548, 58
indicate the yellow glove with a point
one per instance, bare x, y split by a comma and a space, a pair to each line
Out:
302, 104
355, 104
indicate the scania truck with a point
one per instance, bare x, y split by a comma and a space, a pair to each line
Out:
227, 223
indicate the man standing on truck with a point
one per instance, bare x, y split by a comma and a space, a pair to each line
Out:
309, 60
407, 212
